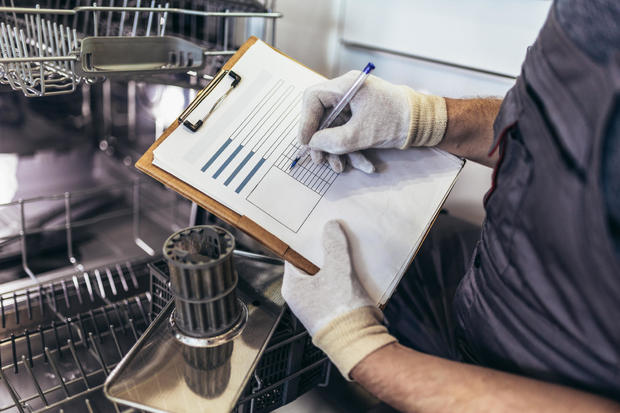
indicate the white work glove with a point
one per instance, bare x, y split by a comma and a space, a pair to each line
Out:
334, 307
382, 115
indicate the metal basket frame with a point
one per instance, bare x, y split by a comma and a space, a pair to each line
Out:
135, 211
38, 53
89, 343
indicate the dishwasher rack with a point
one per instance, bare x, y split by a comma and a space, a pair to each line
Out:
40, 47
55, 355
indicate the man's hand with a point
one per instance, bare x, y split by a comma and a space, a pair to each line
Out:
333, 305
382, 115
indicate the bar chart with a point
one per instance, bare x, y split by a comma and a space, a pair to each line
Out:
269, 124
253, 158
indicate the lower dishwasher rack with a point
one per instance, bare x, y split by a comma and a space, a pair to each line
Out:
59, 341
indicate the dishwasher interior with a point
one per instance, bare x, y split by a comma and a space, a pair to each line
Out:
81, 274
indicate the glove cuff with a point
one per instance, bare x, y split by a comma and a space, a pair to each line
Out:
349, 338
428, 119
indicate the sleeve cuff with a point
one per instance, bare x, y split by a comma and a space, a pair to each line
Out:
428, 119
349, 338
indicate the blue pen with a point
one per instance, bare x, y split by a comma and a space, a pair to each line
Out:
344, 101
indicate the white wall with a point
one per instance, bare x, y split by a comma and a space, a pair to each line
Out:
333, 37
308, 32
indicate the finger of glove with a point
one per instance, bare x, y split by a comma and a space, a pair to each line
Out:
315, 102
335, 162
339, 140
292, 277
317, 99
335, 249
359, 161
317, 156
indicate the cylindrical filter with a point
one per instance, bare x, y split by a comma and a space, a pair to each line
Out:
203, 280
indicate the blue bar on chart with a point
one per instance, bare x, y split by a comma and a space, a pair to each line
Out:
227, 161
250, 175
239, 167
216, 155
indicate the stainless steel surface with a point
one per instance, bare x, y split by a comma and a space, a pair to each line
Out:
161, 374
211, 341
126, 56
50, 51
138, 239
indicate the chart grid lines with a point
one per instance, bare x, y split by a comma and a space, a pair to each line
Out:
317, 177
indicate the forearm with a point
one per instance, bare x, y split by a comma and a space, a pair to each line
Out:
469, 132
415, 382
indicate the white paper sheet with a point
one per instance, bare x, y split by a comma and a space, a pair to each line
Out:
241, 157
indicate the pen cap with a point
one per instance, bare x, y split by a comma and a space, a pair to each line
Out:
368, 68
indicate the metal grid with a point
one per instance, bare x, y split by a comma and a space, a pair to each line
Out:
56, 356
159, 287
290, 365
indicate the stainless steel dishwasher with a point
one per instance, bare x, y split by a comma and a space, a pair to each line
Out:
81, 232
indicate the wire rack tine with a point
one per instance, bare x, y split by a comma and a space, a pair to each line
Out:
122, 26
12, 392
37, 386
164, 19
95, 21
24, 250
56, 371
24, 47
109, 20
135, 19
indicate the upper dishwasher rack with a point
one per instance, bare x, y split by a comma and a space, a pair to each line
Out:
50, 51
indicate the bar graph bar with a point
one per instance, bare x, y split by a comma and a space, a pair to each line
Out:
227, 161
238, 168
216, 155
250, 175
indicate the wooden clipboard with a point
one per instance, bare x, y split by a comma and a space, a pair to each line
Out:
145, 164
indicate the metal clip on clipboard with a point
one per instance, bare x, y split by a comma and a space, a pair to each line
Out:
203, 94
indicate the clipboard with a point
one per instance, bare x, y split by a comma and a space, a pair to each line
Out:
145, 164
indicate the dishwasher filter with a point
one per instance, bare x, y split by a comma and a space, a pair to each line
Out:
203, 282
